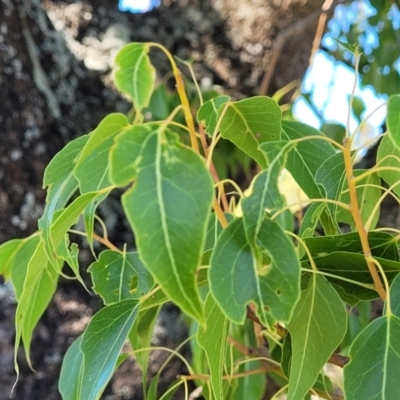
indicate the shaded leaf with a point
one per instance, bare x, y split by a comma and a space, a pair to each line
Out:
372, 372
213, 341
135, 75
317, 328
119, 276
249, 122
101, 345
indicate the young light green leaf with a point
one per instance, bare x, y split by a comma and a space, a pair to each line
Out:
249, 122
208, 113
20, 262
372, 372
92, 166
70, 383
317, 328
353, 48
393, 119
213, 341
119, 276
275, 288
167, 207
389, 157
307, 156
101, 345
368, 195
39, 286
135, 75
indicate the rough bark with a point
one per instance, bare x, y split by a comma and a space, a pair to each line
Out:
55, 84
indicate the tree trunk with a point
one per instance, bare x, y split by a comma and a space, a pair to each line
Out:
55, 84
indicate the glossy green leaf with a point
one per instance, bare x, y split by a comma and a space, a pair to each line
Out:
167, 207
306, 156
389, 157
317, 328
372, 372
39, 286
71, 372
141, 334
393, 119
368, 195
213, 340
208, 113
250, 122
118, 276
135, 75
235, 280
101, 345
92, 166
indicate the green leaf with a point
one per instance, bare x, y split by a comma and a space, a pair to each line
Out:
69, 384
307, 156
249, 122
92, 166
8, 250
372, 372
331, 175
235, 280
334, 131
358, 106
20, 262
61, 184
317, 328
265, 194
167, 207
213, 341
39, 286
389, 157
141, 334
368, 195
119, 276
135, 75
353, 48
101, 345
395, 296
208, 113
393, 119
352, 266
382, 244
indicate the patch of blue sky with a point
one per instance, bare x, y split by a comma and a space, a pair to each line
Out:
138, 6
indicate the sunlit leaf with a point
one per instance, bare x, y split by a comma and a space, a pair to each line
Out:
393, 119
208, 113
250, 122
8, 250
167, 207
317, 328
213, 340
389, 157
135, 75
119, 276
306, 156
101, 345
368, 195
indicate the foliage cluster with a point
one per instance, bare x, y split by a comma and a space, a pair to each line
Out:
267, 292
